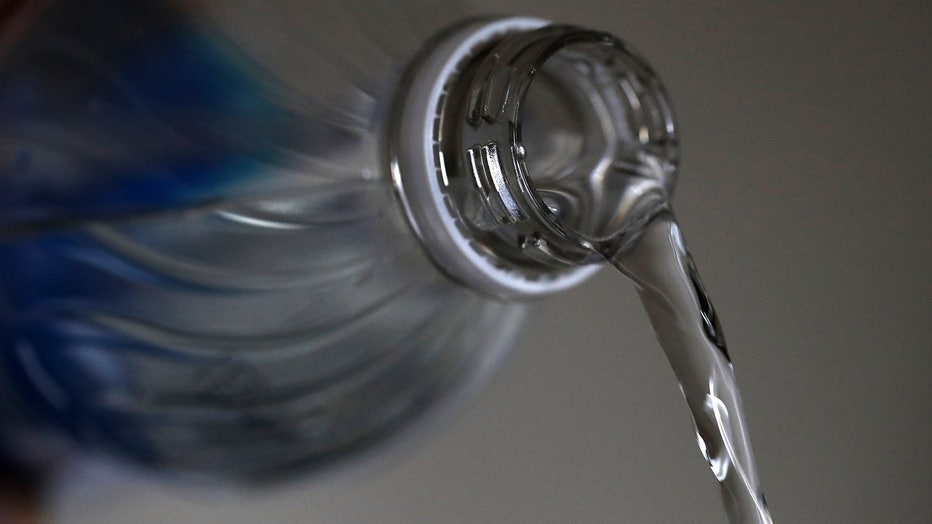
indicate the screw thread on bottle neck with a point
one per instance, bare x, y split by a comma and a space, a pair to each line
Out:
523, 150
537, 95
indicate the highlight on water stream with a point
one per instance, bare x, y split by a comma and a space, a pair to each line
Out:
689, 333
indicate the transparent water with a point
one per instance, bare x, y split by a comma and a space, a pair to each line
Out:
688, 329
609, 190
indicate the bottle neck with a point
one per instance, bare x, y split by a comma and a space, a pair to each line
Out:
548, 144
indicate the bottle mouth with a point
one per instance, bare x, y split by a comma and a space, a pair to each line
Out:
542, 145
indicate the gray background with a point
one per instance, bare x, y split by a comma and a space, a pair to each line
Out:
805, 196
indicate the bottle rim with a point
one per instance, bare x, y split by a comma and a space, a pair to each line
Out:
458, 121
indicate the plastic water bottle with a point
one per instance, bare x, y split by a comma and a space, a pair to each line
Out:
239, 239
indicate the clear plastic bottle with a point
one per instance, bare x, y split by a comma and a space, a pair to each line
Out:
235, 241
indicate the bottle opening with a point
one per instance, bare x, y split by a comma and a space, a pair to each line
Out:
595, 136
540, 144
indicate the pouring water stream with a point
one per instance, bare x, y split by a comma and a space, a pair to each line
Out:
687, 328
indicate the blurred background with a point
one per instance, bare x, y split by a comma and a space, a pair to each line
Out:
805, 197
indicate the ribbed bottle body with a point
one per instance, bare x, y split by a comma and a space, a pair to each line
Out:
203, 265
